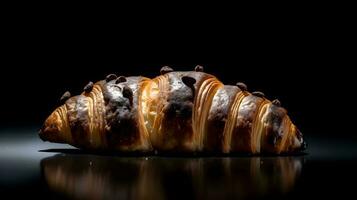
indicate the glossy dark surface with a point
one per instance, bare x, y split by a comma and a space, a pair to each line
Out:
41, 170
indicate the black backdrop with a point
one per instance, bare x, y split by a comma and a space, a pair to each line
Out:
302, 54
303, 61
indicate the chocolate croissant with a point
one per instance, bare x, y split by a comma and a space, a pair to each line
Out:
178, 111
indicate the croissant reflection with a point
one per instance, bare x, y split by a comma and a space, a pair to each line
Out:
105, 177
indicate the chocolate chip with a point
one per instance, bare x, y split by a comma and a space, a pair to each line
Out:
189, 81
276, 102
199, 68
110, 77
242, 86
258, 94
120, 79
88, 87
128, 93
65, 96
165, 69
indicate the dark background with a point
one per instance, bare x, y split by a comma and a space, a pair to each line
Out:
302, 58
303, 55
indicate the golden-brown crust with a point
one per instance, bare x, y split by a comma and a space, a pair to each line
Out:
173, 109
242, 136
123, 129
202, 105
217, 118
275, 120
78, 119
96, 113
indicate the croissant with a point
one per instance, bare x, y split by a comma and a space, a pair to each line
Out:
178, 111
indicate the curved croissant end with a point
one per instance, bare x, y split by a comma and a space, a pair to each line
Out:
55, 128
177, 111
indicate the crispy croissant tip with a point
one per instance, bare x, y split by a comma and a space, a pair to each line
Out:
51, 129
303, 146
51, 134
303, 143
41, 134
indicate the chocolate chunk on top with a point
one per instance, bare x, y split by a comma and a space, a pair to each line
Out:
165, 69
88, 88
242, 86
120, 79
258, 94
110, 77
199, 68
65, 96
